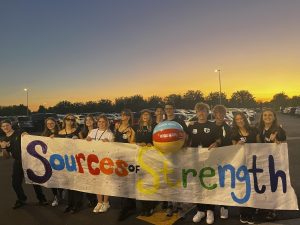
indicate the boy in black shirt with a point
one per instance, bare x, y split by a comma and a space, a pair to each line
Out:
11, 145
206, 134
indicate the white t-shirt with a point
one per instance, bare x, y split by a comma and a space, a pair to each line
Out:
98, 135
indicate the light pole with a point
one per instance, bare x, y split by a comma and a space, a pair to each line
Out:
26, 90
220, 92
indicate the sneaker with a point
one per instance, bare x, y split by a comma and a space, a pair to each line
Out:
224, 213
55, 201
67, 209
18, 204
250, 220
149, 213
105, 207
210, 218
199, 215
98, 207
43, 202
243, 219
169, 212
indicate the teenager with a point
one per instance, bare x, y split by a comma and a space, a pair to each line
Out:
159, 115
206, 134
219, 112
51, 130
70, 130
124, 133
243, 133
88, 125
143, 137
270, 132
101, 133
11, 146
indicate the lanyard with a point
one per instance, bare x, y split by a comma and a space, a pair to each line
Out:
100, 135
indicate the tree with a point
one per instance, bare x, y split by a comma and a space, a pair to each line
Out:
295, 101
280, 100
175, 99
155, 101
213, 98
42, 109
190, 98
242, 99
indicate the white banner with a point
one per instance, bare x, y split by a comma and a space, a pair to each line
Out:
253, 175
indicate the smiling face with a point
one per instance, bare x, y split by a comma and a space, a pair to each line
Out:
50, 124
89, 121
268, 117
239, 120
102, 124
202, 114
6, 127
159, 112
219, 117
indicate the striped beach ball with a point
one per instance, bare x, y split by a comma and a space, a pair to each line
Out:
168, 136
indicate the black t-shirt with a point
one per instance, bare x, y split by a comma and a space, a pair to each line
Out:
226, 134
70, 135
264, 135
203, 134
182, 123
251, 138
121, 136
143, 135
15, 144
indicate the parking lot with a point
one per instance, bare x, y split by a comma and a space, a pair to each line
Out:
33, 214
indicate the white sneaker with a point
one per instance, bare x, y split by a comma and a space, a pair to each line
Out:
210, 219
105, 207
55, 201
199, 215
97, 208
223, 213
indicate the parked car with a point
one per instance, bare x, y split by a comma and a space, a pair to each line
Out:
297, 111
80, 119
25, 123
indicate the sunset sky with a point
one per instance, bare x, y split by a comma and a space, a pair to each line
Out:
87, 50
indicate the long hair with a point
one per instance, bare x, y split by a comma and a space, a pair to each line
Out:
235, 128
75, 125
48, 132
261, 124
149, 123
128, 113
85, 129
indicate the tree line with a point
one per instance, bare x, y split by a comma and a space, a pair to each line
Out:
239, 99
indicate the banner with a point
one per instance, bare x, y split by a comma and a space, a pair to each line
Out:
253, 175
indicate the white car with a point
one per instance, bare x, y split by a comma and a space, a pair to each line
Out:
80, 119
297, 111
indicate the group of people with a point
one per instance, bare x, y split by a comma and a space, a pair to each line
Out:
200, 132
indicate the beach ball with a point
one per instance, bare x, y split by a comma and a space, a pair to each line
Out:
168, 136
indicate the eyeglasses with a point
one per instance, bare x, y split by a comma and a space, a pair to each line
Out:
70, 119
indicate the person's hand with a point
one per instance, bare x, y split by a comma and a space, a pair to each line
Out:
74, 137
143, 144
88, 138
24, 133
213, 145
149, 145
5, 144
273, 137
51, 136
6, 155
117, 125
105, 140
240, 142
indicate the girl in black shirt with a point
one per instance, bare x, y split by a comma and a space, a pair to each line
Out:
144, 132
51, 130
125, 134
270, 132
244, 133
70, 130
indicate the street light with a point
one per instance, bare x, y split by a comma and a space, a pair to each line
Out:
26, 90
219, 71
